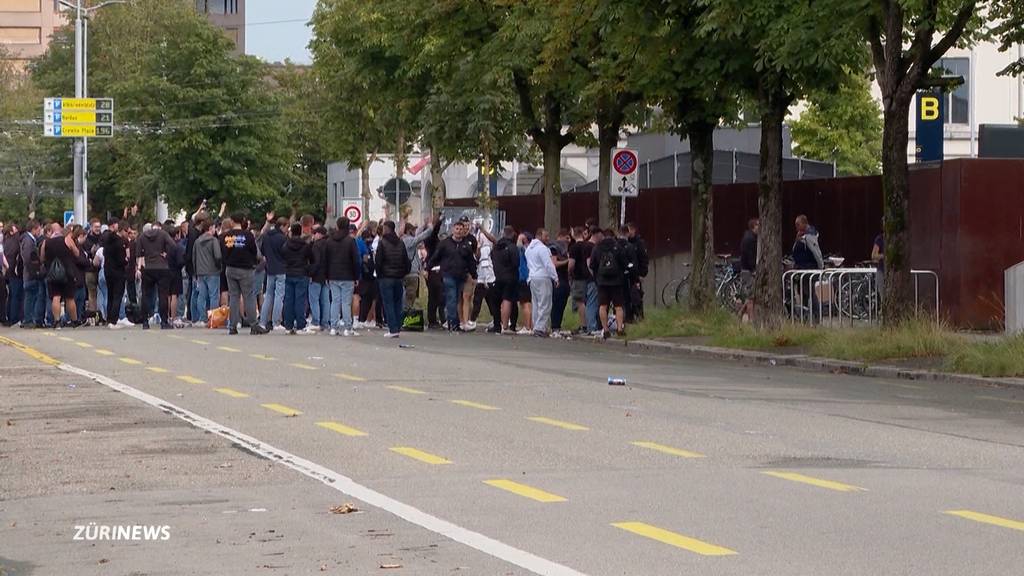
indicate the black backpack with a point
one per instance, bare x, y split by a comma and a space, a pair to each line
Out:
629, 258
609, 266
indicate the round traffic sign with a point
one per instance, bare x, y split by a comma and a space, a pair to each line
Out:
625, 162
353, 212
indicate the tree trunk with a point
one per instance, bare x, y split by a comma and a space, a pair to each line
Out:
768, 285
552, 183
364, 174
608, 206
898, 296
437, 187
702, 235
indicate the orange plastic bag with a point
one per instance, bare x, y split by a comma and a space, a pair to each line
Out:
218, 318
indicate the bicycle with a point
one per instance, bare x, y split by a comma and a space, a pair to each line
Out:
726, 286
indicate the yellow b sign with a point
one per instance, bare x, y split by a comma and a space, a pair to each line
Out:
929, 108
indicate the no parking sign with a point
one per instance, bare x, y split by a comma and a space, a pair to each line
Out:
624, 173
354, 213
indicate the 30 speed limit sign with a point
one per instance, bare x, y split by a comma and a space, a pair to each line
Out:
625, 168
354, 213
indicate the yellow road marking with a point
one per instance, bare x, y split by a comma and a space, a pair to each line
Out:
998, 399
262, 357
48, 333
341, 429
987, 519
200, 342
282, 409
420, 455
304, 366
83, 344
673, 539
65, 339
350, 377
30, 351
525, 491
130, 361
557, 423
175, 336
230, 392
191, 380
407, 390
157, 369
104, 352
228, 349
829, 484
668, 449
474, 405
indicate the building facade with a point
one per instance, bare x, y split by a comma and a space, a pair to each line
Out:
27, 25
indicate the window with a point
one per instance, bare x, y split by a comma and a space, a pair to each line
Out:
958, 102
20, 35
20, 6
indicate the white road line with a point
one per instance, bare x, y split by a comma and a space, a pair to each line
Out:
344, 484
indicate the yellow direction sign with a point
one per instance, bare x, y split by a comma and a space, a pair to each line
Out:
79, 117
78, 104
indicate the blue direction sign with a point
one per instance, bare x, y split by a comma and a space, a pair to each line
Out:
69, 217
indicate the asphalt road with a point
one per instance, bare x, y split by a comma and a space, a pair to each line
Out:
694, 467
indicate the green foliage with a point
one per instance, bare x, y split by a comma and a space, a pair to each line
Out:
993, 359
910, 339
194, 121
843, 126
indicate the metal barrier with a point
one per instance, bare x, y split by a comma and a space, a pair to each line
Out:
838, 295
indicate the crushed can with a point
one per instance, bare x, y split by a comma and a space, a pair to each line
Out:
613, 381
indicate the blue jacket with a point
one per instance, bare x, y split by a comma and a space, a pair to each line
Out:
271, 243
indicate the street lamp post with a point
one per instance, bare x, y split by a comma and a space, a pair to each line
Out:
81, 160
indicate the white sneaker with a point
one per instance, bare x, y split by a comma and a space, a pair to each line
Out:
470, 326
391, 334
524, 332
280, 328
309, 330
334, 332
115, 326
350, 334
125, 323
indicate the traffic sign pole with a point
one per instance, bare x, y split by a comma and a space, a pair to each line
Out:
79, 162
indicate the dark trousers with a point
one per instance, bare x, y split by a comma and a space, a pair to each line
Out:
3, 300
15, 300
435, 297
160, 282
559, 300
392, 297
453, 298
115, 293
35, 302
296, 293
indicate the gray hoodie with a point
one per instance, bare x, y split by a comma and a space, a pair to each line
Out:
206, 256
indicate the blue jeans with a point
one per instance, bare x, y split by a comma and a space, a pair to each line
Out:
207, 296
452, 299
35, 302
273, 300
15, 300
341, 303
593, 320
101, 293
296, 296
320, 305
392, 298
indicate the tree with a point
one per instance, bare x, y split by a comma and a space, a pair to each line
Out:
844, 127
906, 40
794, 48
301, 98
194, 121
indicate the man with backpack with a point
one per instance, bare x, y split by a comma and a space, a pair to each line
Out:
609, 265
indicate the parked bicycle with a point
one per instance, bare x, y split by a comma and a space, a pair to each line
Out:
726, 286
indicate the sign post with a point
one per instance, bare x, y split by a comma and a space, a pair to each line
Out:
78, 117
625, 182
931, 116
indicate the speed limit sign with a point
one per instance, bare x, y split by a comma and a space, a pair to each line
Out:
354, 213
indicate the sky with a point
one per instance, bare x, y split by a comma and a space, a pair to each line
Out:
276, 40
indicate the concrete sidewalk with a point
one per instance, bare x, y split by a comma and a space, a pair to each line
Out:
73, 453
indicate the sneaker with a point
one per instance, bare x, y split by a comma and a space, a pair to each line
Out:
308, 330
145, 325
167, 327
334, 332
280, 328
357, 325
606, 334
524, 332
391, 335
291, 332
125, 323
493, 330
257, 330
539, 334
470, 326
349, 333
597, 333
457, 329
115, 326
233, 332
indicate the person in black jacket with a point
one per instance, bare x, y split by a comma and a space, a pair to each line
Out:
319, 291
635, 291
392, 265
609, 266
341, 261
435, 283
115, 271
238, 245
297, 256
505, 259
33, 274
457, 259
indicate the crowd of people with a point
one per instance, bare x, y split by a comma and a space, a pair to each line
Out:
295, 275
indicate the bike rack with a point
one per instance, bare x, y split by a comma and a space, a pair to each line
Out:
842, 282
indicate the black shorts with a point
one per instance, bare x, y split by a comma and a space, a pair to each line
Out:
176, 284
611, 295
65, 290
508, 291
525, 295
366, 288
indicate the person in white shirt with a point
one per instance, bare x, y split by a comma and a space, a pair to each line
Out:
543, 278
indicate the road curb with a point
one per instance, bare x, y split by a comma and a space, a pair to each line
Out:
817, 364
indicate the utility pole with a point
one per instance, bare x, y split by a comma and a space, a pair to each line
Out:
81, 160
